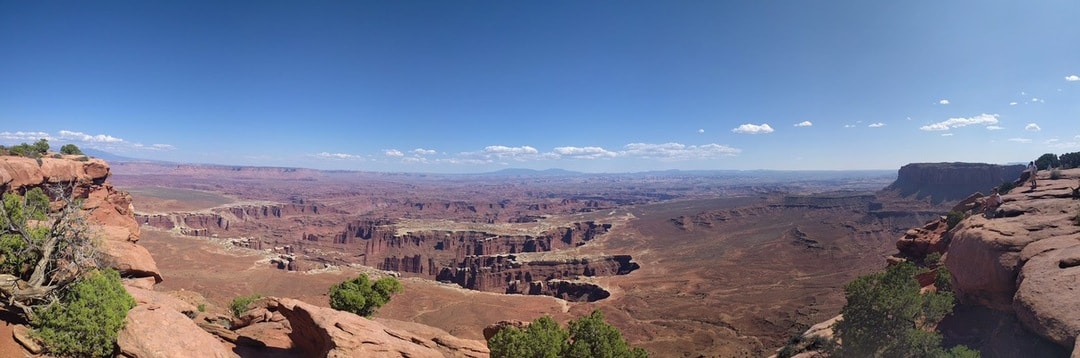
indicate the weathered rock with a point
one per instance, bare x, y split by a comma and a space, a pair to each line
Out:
110, 213
324, 332
22, 335
919, 242
131, 259
159, 299
155, 331
1022, 263
1048, 297
265, 335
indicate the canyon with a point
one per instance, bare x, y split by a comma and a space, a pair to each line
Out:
713, 264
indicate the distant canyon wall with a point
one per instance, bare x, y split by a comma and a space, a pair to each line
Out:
944, 182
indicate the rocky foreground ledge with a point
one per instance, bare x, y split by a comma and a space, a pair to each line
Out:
1026, 262
163, 325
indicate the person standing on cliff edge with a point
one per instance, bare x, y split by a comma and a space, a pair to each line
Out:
1032, 169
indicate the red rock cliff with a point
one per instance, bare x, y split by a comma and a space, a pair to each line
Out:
110, 211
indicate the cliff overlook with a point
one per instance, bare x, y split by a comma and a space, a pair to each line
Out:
1027, 261
945, 182
170, 324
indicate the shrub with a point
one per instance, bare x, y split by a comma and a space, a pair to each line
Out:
41, 146
1070, 160
202, 307
886, 316
70, 149
953, 218
240, 304
1055, 174
588, 336
932, 259
1046, 161
362, 297
1005, 187
88, 317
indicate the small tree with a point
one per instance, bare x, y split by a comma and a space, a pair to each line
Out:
42, 252
362, 297
1070, 160
541, 339
1047, 161
41, 146
86, 320
886, 316
592, 337
70, 149
588, 336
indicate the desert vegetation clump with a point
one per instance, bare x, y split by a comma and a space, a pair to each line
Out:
240, 304
36, 150
1055, 174
70, 149
1005, 187
588, 336
49, 271
953, 218
887, 316
361, 296
88, 316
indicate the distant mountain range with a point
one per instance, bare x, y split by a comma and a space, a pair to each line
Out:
555, 172
109, 157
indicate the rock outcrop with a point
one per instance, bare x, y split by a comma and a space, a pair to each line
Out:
940, 182
324, 332
109, 211
1027, 262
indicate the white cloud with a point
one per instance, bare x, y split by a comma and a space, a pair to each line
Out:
1039, 100
849, 126
584, 152
1072, 78
982, 119
1012, 103
504, 151
1020, 140
83, 137
677, 151
1032, 127
25, 136
946, 134
339, 156
804, 124
748, 128
422, 151
944, 101
876, 125
393, 153
994, 128
701, 130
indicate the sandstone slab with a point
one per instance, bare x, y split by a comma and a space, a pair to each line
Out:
161, 332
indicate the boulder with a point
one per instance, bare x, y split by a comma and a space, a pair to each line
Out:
1047, 300
324, 332
22, 335
156, 331
131, 259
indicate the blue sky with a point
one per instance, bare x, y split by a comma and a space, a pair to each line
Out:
596, 86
